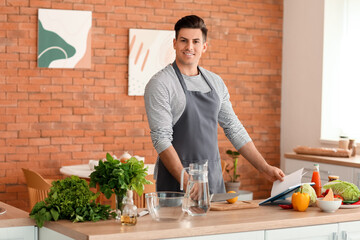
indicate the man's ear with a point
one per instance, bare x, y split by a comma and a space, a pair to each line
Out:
205, 47
174, 43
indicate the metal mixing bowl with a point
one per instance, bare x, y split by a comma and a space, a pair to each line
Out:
165, 206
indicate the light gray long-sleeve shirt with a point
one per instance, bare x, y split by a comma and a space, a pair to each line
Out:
165, 102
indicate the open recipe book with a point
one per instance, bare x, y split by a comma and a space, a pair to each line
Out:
281, 190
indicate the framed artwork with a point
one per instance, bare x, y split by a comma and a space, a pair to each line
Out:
64, 38
149, 52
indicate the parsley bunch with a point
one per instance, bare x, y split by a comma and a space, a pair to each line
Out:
116, 177
69, 198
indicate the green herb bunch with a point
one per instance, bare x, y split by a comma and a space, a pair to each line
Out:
116, 177
72, 199
234, 155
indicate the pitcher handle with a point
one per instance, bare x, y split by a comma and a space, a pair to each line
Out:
182, 178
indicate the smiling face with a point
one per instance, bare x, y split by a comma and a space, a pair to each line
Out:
189, 47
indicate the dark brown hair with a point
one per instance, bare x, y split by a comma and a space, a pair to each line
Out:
191, 21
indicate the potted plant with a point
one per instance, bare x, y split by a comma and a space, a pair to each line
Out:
116, 177
234, 183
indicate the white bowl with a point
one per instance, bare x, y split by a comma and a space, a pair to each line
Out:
328, 206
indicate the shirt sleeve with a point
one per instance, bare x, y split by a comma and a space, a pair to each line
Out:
233, 128
158, 110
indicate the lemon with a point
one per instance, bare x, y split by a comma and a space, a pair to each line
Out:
232, 200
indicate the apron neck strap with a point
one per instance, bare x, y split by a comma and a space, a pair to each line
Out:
178, 74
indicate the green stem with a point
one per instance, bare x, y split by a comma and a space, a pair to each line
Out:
235, 167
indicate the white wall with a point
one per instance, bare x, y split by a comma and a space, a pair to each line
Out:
301, 74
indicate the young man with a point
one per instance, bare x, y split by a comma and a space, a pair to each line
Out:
184, 104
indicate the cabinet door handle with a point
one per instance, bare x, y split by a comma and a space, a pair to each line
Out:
344, 235
334, 236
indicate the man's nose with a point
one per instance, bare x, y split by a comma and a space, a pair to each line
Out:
189, 45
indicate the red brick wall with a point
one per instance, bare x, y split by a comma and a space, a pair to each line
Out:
55, 117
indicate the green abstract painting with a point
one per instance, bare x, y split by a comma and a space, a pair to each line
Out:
64, 39
52, 47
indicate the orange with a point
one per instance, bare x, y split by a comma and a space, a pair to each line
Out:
232, 200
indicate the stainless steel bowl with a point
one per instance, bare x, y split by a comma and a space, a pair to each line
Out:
165, 206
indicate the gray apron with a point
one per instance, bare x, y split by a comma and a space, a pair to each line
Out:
195, 138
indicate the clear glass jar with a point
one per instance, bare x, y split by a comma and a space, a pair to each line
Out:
129, 211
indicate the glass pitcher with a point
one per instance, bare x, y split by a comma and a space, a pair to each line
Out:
197, 197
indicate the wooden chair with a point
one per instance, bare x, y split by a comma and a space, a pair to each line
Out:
38, 187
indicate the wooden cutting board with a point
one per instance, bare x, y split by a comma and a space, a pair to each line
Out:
224, 206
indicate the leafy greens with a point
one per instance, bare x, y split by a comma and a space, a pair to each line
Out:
116, 177
306, 188
72, 199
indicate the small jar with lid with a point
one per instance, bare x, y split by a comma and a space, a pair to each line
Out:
352, 147
333, 178
344, 142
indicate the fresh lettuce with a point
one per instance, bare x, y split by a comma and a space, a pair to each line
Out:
306, 188
349, 191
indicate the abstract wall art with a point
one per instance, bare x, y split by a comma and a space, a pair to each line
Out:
149, 52
64, 38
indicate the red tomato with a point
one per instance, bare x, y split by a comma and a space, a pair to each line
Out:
338, 196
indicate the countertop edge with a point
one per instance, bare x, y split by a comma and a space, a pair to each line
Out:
291, 219
341, 161
14, 217
72, 233
18, 222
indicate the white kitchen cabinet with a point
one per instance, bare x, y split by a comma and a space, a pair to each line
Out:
255, 235
345, 173
18, 233
46, 233
356, 176
318, 232
349, 231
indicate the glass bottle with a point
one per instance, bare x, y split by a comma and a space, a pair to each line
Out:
129, 211
316, 179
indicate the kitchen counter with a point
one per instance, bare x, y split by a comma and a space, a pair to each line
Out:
342, 161
14, 217
215, 222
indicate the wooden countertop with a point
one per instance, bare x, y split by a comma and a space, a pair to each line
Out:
14, 217
215, 222
349, 162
